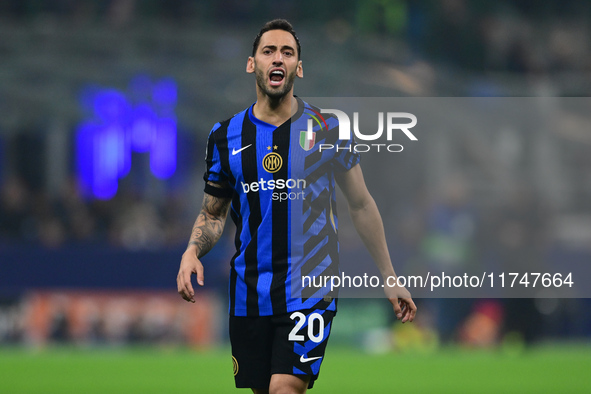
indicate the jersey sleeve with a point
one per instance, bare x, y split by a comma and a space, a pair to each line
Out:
345, 156
214, 171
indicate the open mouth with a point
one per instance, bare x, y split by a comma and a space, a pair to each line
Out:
276, 76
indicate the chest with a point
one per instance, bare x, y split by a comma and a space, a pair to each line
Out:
262, 154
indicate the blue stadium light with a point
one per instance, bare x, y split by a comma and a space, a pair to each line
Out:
163, 156
165, 93
143, 128
118, 125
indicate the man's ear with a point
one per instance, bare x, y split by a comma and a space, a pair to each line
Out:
250, 65
300, 70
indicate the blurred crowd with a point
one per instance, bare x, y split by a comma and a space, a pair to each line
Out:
542, 37
129, 220
101, 318
519, 36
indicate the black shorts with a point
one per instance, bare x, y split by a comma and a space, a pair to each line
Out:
292, 343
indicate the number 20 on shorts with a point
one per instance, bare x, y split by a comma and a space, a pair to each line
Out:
300, 319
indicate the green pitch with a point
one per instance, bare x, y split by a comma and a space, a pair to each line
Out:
63, 371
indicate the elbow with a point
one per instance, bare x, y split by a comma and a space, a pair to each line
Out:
362, 204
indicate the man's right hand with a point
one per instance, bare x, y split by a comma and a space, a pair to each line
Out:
207, 230
190, 265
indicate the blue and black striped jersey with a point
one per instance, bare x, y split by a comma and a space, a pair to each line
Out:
281, 181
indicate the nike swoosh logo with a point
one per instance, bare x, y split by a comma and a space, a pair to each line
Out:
234, 151
305, 360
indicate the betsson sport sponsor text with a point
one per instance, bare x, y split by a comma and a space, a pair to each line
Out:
278, 184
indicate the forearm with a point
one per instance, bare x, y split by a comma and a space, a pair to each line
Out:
369, 225
206, 232
209, 225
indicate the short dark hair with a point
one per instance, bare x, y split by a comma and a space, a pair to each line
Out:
276, 24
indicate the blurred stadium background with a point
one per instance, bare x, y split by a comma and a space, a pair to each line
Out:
91, 234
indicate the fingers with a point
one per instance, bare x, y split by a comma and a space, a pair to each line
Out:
189, 265
397, 308
410, 310
184, 286
404, 308
199, 272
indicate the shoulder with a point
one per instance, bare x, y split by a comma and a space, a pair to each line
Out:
328, 119
229, 125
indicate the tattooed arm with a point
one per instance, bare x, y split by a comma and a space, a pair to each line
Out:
207, 230
209, 224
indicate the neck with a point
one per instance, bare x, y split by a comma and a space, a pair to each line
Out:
275, 111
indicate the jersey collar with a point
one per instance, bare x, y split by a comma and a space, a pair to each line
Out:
267, 126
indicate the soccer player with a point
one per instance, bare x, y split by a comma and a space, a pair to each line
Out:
264, 166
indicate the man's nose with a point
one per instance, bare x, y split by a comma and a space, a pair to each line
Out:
278, 58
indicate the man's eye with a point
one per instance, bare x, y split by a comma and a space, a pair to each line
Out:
266, 52
287, 53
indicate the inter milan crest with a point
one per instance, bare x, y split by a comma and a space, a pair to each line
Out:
272, 162
308, 137
235, 365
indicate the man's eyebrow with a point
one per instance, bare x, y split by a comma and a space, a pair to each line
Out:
272, 46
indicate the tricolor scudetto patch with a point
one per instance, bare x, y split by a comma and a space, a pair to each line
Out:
307, 139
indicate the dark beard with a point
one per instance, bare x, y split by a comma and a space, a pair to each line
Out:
274, 93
